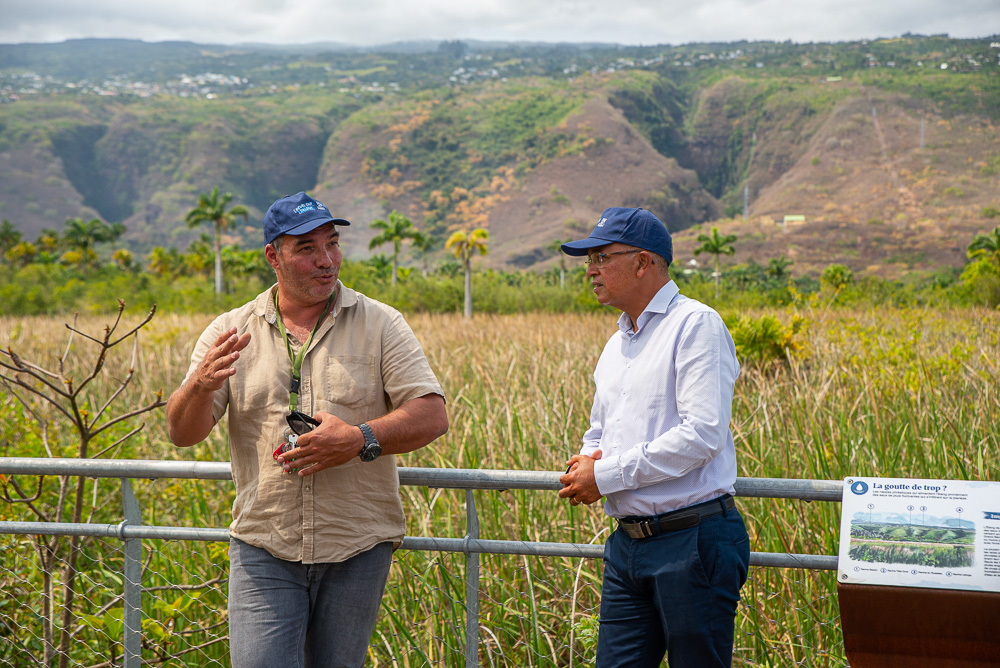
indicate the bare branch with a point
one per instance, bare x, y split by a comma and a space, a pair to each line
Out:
30, 503
120, 440
191, 587
98, 365
23, 498
135, 354
202, 629
121, 388
168, 657
69, 345
20, 383
22, 365
32, 370
84, 335
45, 434
63, 493
131, 414
16, 633
149, 316
110, 330
106, 344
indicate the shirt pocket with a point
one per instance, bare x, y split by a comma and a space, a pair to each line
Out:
349, 383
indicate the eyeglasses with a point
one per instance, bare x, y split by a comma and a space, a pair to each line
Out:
598, 259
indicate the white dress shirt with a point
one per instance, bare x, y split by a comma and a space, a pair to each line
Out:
662, 409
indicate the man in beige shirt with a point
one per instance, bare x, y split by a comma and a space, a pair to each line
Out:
314, 522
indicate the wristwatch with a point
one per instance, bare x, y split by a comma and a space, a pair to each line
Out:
372, 448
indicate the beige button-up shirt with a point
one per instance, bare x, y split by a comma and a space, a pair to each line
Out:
363, 361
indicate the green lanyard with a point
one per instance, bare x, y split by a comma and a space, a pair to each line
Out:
293, 391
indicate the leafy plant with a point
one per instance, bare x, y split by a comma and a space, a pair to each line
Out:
765, 341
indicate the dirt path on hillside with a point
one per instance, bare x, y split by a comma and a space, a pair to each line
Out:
907, 201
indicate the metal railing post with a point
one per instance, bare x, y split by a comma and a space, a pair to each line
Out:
471, 584
132, 642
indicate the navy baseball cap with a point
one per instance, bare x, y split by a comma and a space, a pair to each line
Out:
632, 227
295, 215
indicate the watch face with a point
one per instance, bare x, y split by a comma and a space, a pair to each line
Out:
370, 452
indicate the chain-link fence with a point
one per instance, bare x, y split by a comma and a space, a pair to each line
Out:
449, 601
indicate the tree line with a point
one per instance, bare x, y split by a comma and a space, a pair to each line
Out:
67, 265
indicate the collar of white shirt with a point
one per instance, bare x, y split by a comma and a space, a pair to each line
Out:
657, 305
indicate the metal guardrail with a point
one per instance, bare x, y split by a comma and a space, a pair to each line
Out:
131, 530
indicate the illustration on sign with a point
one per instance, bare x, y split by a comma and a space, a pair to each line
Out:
921, 533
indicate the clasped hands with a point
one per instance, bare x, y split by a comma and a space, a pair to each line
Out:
579, 483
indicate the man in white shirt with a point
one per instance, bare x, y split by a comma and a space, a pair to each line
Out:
659, 449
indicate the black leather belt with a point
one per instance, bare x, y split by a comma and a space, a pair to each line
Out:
685, 518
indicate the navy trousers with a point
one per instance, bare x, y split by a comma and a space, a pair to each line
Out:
674, 594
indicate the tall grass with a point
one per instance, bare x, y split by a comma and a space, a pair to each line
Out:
877, 392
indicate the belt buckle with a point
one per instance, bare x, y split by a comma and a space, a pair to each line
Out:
641, 529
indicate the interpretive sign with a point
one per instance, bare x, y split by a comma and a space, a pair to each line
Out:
943, 534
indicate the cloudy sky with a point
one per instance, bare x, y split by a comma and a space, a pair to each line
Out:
368, 22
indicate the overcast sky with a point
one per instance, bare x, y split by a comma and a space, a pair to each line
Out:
368, 22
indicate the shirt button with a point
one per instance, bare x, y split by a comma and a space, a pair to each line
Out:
308, 488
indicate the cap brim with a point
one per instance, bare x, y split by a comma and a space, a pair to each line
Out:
580, 248
309, 226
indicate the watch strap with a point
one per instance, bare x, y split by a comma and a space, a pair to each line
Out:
368, 433
372, 448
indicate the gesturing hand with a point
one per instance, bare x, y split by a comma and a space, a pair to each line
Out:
332, 443
218, 363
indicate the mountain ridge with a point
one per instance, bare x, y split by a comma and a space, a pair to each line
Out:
890, 167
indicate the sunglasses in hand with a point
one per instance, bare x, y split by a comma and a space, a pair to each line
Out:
298, 423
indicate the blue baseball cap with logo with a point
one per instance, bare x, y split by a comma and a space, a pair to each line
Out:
632, 227
296, 214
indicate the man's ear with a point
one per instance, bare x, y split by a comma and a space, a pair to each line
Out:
271, 255
645, 264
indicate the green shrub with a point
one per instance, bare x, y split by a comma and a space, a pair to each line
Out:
765, 341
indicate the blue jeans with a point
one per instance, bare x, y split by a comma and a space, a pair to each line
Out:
286, 613
675, 593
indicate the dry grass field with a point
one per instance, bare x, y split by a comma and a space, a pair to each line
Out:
881, 392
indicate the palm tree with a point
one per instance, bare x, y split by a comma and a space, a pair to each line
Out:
123, 258
424, 243
163, 262
397, 228
199, 256
556, 247
465, 245
837, 276
211, 208
777, 267
380, 265
248, 263
47, 241
79, 238
716, 244
986, 246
